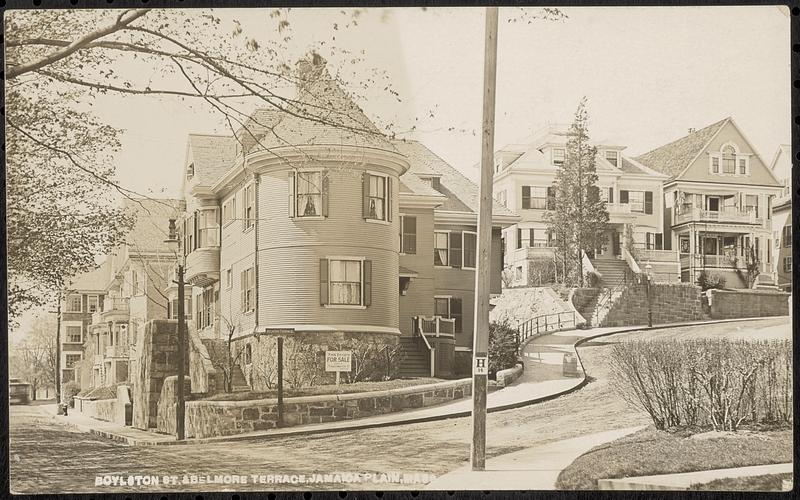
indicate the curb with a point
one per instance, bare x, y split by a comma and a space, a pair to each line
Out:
367, 425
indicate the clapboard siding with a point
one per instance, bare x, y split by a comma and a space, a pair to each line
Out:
290, 250
237, 254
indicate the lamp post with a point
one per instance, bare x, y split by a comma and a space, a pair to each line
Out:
180, 410
648, 269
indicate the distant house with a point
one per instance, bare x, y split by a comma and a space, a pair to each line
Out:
334, 234
523, 181
782, 218
121, 296
718, 202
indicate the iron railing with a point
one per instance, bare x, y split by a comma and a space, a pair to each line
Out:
545, 323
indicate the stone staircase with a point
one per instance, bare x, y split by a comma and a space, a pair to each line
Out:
415, 357
612, 270
585, 302
239, 382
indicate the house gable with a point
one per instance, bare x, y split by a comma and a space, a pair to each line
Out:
699, 169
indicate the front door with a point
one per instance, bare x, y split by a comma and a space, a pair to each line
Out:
615, 243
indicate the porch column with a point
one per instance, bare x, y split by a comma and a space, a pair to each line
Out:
692, 251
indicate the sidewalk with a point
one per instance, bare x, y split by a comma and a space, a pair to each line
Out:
534, 468
685, 480
541, 381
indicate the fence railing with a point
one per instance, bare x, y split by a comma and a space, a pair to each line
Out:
436, 325
544, 324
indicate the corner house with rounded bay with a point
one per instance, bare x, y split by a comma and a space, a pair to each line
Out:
323, 232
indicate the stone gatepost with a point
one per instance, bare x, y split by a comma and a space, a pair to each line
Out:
157, 360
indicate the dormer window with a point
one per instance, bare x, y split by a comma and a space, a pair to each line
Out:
190, 171
612, 157
559, 154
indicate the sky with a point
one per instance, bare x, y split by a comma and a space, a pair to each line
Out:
649, 74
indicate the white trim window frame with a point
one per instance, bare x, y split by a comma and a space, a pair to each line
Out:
307, 185
247, 287
69, 336
207, 227
71, 301
89, 300
345, 282
558, 156
718, 162
614, 154
466, 249
68, 355
441, 254
229, 210
378, 197
228, 278
248, 207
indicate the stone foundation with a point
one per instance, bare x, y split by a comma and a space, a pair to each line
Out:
725, 304
224, 418
670, 304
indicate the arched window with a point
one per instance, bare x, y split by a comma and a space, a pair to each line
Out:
728, 160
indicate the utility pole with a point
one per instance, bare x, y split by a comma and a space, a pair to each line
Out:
480, 344
58, 353
180, 410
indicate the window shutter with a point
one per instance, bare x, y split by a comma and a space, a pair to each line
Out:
323, 281
659, 241
456, 312
623, 196
611, 195
367, 282
324, 194
242, 291
389, 199
519, 238
365, 195
530, 237
526, 197
455, 249
551, 198
648, 202
194, 222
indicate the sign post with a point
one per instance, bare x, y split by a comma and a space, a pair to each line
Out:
338, 361
480, 344
280, 382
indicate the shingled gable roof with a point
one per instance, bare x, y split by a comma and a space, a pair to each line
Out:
152, 223
462, 194
212, 156
673, 158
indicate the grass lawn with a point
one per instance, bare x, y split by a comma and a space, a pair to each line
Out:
650, 451
767, 482
325, 389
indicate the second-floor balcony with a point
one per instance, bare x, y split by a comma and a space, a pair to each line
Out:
735, 216
114, 308
117, 351
702, 261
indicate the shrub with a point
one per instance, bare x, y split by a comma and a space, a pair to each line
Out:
503, 347
69, 391
593, 279
719, 382
708, 281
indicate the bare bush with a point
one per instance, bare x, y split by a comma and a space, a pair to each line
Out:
721, 383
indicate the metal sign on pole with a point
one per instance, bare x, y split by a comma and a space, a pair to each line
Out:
480, 345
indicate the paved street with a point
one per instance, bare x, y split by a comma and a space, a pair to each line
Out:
46, 457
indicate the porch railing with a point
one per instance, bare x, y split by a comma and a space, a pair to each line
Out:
725, 215
436, 325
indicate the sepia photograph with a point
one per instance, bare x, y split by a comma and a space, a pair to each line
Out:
399, 248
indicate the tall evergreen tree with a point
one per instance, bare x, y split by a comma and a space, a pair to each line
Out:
579, 213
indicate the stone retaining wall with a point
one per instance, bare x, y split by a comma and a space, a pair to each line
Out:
670, 303
100, 409
224, 418
725, 304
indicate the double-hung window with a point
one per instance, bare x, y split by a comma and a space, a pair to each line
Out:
728, 160
787, 236
308, 194
206, 307
534, 197
229, 210
408, 234
559, 154
207, 228
172, 308
75, 303
612, 157
93, 303
70, 360
470, 252
345, 281
248, 289
636, 201
450, 308
751, 204
377, 197
74, 334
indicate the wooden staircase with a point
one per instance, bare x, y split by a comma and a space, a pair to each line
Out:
416, 360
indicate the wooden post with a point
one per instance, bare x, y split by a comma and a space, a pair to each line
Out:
180, 409
58, 354
280, 382
480, 344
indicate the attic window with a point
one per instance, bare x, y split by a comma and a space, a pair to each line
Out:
613, 157
558, 156
190, 171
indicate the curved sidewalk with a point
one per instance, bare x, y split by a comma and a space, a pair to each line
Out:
542, 380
